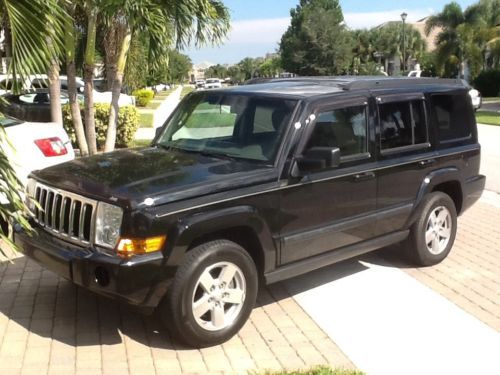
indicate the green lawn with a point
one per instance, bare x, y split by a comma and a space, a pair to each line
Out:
491, 99
141, 142
321, 370
186, 90
146, 118
211, 120
486, 117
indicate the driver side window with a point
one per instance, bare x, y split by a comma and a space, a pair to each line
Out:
345, 128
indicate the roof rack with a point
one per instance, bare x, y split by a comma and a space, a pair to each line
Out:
372, 82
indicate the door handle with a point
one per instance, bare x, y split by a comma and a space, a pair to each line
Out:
363, 176
426, 163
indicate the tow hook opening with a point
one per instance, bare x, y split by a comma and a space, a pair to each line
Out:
101, 276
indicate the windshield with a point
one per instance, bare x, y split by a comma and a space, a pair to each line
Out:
6, 121
230, 125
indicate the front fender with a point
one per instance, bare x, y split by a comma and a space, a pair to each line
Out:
190, 228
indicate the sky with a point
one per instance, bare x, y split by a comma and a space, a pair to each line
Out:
257, 25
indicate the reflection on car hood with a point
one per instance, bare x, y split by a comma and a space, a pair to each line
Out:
132, 175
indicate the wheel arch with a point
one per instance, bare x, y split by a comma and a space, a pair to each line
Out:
445, 180
242, 225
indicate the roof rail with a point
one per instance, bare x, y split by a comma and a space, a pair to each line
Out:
403, 82
371, 82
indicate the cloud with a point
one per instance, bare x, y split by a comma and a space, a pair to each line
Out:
366, 20
258, 31
256, 37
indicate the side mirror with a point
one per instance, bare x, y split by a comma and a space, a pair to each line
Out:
318, 158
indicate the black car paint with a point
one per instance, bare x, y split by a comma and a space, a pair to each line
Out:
197, 197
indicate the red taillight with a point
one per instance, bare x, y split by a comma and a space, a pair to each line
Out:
51, 146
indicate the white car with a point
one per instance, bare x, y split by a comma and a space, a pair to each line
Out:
213, 83
34, 145
41, 81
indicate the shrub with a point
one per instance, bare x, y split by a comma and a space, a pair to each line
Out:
128, 122
488, 82
143, 97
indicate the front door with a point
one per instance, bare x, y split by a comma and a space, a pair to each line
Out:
330, 208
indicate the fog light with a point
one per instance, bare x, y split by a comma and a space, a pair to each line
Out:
133, 246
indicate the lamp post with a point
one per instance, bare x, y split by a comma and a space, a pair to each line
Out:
403, 17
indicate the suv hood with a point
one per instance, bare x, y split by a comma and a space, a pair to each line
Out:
130, 176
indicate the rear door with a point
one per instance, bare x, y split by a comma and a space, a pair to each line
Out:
405, 157
333, 207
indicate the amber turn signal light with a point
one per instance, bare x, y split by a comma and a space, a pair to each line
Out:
134, 246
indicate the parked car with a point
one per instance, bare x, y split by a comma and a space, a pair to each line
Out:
213, 83
260, 183
34, 145
31, 105
199, 84
474, 94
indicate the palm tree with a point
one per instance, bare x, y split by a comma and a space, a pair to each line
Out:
455, 43
165, 23
30, 22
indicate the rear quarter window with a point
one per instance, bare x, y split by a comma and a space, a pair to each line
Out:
452, 117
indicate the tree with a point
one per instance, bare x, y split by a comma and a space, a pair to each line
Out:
30, 22
271, 67
317, 42
457, 42
178, 68
219, 71
165, 22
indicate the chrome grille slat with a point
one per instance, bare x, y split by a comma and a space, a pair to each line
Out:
72, 221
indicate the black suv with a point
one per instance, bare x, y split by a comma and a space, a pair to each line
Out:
260, 183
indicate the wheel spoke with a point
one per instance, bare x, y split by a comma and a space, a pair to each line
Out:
218, 316
442, 216
435, 245
206, 281
201, 306
444, 232
429, 236
234, 296
227, 274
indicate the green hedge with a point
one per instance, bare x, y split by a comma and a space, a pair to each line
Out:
143, 97
488, 82
128, 122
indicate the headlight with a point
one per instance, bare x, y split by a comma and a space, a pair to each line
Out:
107, 225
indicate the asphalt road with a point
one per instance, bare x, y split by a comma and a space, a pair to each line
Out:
489, 137
493, 107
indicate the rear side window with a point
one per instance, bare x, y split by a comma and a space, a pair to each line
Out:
451, 114
402, 124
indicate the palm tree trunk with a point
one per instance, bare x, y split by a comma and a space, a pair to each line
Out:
115, 91
76, 115
88, 78
54, 88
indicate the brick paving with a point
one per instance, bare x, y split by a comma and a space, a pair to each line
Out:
48, 326
470, 275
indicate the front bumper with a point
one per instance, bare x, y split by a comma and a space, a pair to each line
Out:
140, 281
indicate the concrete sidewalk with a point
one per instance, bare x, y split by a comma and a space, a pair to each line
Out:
160, 115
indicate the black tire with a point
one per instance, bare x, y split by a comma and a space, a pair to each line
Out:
417, 249
177, 308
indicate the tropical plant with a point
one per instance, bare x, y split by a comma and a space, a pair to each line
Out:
143, 96
165, 23
128, 122
458, 42
30, 22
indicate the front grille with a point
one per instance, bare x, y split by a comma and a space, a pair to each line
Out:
66, 215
